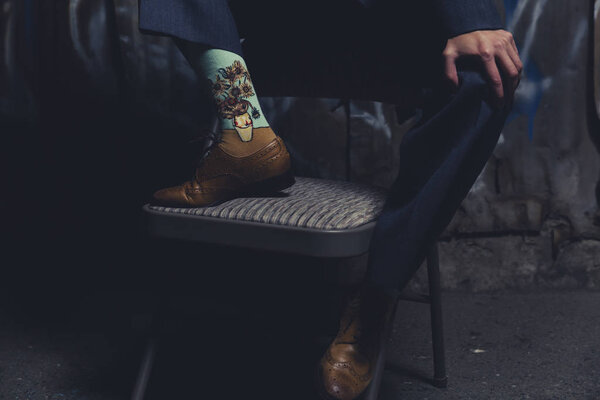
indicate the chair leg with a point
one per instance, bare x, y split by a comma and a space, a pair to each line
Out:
437, 330
143, 377
372, 391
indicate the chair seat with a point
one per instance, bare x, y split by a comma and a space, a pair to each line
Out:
315, 217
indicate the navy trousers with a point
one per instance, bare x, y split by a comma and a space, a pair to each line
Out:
400, 44
439, 162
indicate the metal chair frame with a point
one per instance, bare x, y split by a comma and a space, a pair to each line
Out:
295, 241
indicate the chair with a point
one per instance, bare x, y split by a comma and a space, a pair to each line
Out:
315, 217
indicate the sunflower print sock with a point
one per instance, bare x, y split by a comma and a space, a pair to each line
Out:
237, 104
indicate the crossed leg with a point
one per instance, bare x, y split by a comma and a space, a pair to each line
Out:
399, 48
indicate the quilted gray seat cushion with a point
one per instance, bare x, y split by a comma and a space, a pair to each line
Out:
309, 203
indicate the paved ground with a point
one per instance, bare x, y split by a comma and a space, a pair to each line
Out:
500, 346
505, 346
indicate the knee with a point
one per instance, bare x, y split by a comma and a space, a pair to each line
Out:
474, 86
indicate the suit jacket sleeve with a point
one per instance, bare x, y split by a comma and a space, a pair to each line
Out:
462, 16
457, 16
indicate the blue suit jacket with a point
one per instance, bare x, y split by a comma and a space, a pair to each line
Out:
460, 16
211, 21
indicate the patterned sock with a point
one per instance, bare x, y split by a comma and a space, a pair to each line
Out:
235, 97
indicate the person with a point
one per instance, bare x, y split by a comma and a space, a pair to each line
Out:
455, 47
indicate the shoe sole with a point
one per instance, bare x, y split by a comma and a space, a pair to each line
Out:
261, 188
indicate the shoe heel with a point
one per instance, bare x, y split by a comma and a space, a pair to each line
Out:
273, 184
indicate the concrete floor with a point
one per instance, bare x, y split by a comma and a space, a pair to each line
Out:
499, 346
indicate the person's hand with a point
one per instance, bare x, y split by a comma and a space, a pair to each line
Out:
497, 54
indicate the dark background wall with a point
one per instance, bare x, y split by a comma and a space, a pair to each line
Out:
96, 116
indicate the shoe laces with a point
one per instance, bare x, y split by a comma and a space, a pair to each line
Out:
354, 320
207, 140
365, 320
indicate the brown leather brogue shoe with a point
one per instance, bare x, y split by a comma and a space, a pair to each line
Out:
346, 368
232, 169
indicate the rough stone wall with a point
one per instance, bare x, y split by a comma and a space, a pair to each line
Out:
531, 219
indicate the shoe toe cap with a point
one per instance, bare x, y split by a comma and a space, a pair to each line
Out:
171, 197
339, 384
340, 391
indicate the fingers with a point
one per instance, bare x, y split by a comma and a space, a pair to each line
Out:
450, 70
516, 60
510, 73
513, 53
510, 64
498, 54
513, 44
495, 79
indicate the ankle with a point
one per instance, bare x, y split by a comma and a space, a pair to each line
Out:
232, 145
376, 303
376, 294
